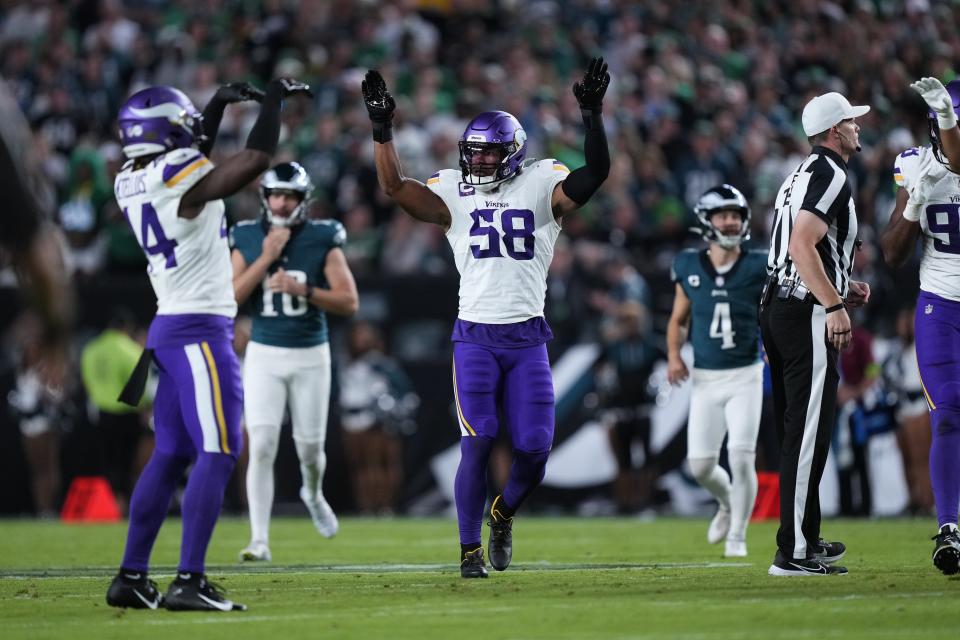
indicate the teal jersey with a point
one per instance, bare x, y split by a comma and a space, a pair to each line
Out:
281, 319
724, 330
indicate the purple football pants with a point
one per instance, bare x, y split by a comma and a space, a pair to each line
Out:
517, 384
937, 326
197, 413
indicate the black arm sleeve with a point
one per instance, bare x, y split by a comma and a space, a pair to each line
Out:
212, 115
582, 183
266, 130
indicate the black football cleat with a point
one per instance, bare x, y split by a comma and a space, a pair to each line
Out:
500, 543
133, 590
946, 550
192, 592
829, 552
471, 564
787, 567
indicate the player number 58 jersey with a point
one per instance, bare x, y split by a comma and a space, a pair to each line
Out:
188, 259
939, 222
502, 241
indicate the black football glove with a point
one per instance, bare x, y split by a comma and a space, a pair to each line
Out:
380, 106
290, 87
589, 92
239, 92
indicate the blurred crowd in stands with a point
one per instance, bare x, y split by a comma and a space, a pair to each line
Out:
703, 92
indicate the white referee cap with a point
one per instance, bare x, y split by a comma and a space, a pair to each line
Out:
824, 111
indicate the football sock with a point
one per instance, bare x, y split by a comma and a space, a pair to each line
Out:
470, 486
149, 504
713, 478
313, 462
202, 500
263, 451
944, 470
526, 472
743, 491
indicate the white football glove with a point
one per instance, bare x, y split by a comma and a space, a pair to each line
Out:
935, 95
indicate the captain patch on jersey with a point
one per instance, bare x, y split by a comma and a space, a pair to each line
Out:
723, 324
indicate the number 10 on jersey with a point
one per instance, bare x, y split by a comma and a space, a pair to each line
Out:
518, 227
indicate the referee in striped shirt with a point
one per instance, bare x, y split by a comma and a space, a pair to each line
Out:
804, 324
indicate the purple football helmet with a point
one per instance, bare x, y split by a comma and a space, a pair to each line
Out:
953, 88
495, 132
158, 119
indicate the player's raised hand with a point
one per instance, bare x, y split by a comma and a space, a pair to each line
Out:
239, 92
290, 87
590, 91
380, 104
938, 99
274, 242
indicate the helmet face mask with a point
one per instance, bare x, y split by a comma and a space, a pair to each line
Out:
492, 148
157, 120
715, 200
953, 88
288, 178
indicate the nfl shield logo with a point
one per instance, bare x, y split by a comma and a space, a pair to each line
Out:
928, 309
693, 280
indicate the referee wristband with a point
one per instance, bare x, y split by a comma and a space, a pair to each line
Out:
835, 307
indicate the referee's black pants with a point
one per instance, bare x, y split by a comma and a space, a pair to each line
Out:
803, 368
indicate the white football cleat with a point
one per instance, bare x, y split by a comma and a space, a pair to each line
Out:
256, 552
324, 519
719, 526
735, 549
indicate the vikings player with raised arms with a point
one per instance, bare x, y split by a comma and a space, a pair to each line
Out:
717, 299
171, 195
928, 206
502, 217
296, 272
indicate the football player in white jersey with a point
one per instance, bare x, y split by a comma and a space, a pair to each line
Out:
171, 195
501, 216
928, 205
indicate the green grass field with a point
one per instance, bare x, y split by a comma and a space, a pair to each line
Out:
571, 578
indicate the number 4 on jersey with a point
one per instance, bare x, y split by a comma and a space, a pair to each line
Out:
152, 238
721, 327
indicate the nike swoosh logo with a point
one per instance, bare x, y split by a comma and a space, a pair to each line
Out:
222, 606
819, 569
132, 576
151, 604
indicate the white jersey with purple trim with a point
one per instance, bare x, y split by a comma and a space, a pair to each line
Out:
502, 241
939, 222
188, 259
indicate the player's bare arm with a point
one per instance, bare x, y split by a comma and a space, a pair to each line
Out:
247, 277
581, 184
412, 195
341, 298
240, 169
677, 328
808, 230
941, 103
900, 237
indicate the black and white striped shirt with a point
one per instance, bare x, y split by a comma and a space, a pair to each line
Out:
819, 185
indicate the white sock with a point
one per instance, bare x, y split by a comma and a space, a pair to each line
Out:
713, 478
263, 451
743, 492
313, 464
